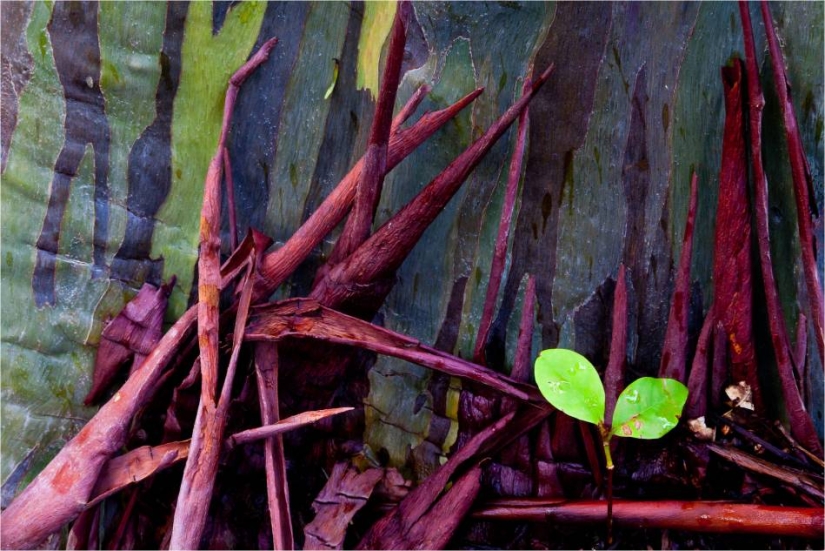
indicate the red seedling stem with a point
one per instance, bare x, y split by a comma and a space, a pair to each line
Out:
732, 263
801, 181
801, 425
675, 350
500, 250
368, 192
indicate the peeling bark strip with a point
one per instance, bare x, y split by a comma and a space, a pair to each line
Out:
500, 250
308, 319
277, 489
802, 426
354, 281
344, 494
732, 263
61, 491
149, 174
697, 402
696, 516
802, 182
358, 225
133, 334
73, 31
279, 264
202, 464
675, 350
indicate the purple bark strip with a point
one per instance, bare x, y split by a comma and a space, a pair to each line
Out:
801, 425
801, 173
500, 250
617, 361
674, 354
732, 263
719, 375
368, 192
697, 403
381, 255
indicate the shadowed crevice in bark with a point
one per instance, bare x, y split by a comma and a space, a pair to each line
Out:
73, 32
149, 174
561, 115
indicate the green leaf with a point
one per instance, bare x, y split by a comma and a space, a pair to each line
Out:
570, 382
648, 408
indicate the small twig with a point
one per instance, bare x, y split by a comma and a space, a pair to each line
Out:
750, 437
281, 427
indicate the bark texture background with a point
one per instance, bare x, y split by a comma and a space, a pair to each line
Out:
111, 112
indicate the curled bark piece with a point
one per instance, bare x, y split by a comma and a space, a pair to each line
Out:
308, 319
696, 516
132, 334
732, 262
500, 249
675, 351
361, 278
802, 182
344, 494
291, 423
802, 426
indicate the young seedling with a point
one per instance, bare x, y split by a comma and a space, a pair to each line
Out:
648, 408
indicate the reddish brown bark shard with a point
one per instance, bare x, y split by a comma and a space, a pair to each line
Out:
393, 530
500, 249
368, 192
308, 319
278, 265
277, 488
697, 402
802, 426
802, 182
202, 464
134, 333
362, 276
60, 492
732, 263
697, 516
344, 494
675, 350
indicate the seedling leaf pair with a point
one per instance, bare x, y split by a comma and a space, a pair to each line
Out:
648, 408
